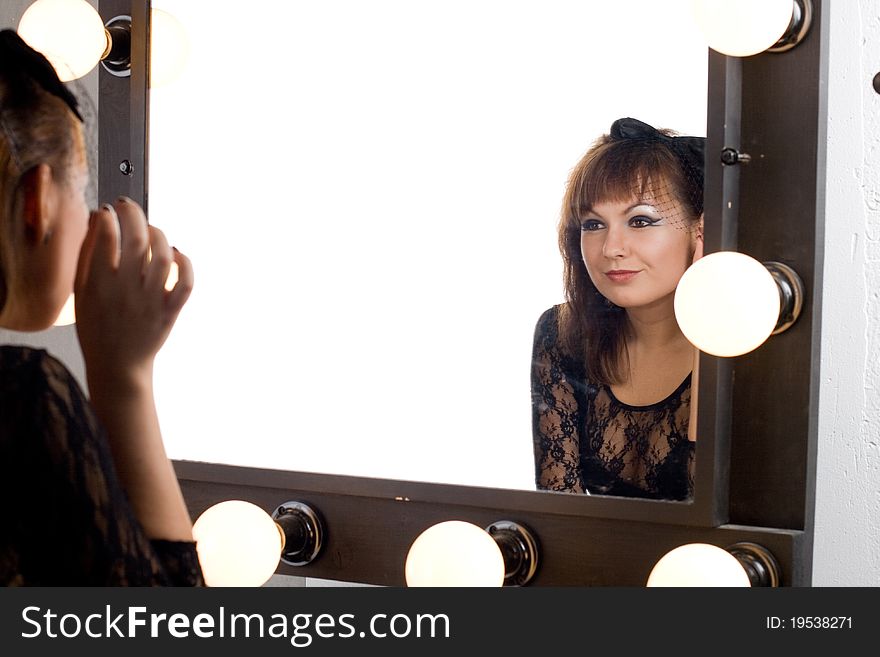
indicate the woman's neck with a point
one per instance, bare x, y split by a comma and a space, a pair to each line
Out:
656, 356
654, 327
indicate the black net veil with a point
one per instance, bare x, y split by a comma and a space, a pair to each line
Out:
636, 162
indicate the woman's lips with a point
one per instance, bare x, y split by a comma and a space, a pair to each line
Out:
621, 275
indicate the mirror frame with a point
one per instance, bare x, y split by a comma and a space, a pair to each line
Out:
754, 481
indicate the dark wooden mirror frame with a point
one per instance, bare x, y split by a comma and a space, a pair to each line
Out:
755, 480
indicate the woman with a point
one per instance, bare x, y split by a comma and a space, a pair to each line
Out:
612, 373
89, 496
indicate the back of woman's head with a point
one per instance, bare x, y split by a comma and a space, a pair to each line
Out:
39, 123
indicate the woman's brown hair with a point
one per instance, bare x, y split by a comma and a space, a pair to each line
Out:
616, 168
36, 126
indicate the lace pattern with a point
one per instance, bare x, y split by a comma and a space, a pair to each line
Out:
67, 521
586, 441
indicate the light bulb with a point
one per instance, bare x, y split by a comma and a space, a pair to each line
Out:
698, 564
69, 33
238, 544
454, 553
67, 316
743, 27
169, 48
727, 304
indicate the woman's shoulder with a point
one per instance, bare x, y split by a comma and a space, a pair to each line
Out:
32, 378
45, 412
548, 322
20, 364
548, 338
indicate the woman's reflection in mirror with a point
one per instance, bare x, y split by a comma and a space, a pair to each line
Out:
89, 496
613, 378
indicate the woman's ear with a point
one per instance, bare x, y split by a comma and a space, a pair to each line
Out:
698, 240
37, 187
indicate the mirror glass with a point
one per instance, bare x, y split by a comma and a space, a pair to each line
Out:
369, 192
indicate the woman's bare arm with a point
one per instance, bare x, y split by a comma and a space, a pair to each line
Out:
124, 314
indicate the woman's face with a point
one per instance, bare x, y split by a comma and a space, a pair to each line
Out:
636, 251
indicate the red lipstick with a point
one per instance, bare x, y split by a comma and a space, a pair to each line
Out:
621, 275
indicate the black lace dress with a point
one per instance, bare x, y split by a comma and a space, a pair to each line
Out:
65, 517
586, 441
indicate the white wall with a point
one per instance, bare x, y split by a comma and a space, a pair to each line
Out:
847, 532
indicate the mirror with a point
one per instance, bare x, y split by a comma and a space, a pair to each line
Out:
369, 192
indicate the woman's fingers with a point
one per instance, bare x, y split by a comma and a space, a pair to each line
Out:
159, 265
135, 237
159, 268
121, 246
100, 249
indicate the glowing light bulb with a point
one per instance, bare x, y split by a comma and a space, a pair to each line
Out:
67, 316
238, 544
169, 48
727, 304
454, 553
70, 34
742, 27
698, 564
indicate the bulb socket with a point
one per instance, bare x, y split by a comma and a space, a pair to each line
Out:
801, 19
791, 294
117, 56
519, 548
302, 532
760, 565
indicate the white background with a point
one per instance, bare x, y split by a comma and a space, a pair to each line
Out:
369, 192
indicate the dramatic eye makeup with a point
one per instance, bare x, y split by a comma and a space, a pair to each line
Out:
642, 221
591, 225
638, 215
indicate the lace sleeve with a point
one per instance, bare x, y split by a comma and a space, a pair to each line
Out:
180, 561
71, 523
555, 413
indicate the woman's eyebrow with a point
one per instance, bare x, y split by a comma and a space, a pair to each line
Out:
588, 213
642, 203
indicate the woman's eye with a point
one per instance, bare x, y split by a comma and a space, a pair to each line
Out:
590, 225
642, 222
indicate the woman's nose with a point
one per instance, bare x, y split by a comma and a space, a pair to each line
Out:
615, 244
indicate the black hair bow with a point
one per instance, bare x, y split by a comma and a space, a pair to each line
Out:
689, 150
18, 61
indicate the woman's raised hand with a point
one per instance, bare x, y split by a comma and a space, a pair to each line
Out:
123, 311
